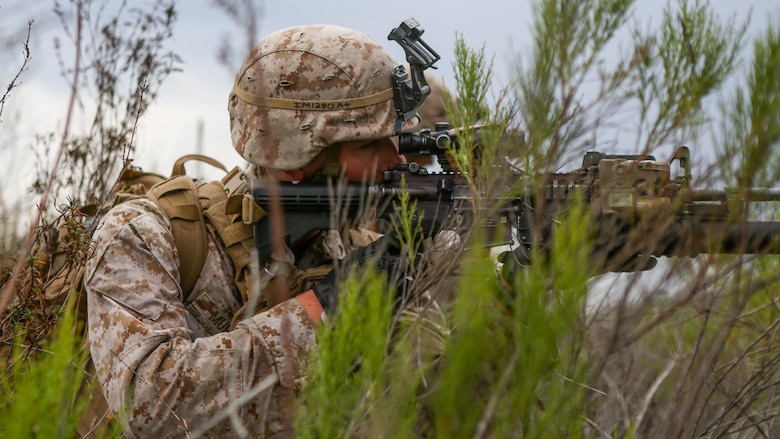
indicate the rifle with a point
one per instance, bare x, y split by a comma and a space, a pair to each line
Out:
637, 210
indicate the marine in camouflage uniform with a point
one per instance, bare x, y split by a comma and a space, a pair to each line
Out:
308, 101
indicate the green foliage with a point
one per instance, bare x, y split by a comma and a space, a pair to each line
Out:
548, 334
408, 228
501, 372
689, 59
504, 372
471, 363
41, 398
667, 75
569, 37
346, 382
473, 76
119, 62
751, 133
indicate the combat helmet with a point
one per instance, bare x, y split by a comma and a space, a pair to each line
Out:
304, 88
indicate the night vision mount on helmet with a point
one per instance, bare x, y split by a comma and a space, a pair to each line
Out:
409, 93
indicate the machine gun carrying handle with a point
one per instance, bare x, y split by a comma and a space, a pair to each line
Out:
683, 155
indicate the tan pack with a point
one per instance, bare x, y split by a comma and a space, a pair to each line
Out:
59, 264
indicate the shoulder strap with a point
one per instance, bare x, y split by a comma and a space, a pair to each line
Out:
237, 237
178, 199
178, 166
232, 212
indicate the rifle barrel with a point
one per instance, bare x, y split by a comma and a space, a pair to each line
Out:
749, 194
691, 238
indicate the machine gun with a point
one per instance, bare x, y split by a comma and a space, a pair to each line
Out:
637, 210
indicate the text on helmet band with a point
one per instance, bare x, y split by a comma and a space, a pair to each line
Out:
314, 105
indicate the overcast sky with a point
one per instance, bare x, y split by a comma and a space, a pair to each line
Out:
199, 92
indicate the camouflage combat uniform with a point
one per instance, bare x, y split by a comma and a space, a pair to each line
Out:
176, 367
157, 359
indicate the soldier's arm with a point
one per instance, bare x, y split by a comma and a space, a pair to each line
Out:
146, 358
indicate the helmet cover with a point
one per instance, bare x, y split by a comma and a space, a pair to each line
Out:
304, 88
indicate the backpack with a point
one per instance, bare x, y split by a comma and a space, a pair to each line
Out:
59, 265
57, 272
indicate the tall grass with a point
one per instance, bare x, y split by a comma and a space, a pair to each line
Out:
523, 355
39, 398
120, 60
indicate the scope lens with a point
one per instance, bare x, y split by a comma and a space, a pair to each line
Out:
442, 141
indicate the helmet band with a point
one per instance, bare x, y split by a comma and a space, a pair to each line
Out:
313, 105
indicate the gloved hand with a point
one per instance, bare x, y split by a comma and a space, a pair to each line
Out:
386, 257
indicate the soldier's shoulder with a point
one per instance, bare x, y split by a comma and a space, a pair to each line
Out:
130, 211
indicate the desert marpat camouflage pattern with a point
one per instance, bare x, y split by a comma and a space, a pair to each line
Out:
327, 78
162, 361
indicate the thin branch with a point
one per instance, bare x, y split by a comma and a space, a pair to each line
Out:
10, 287
652, 391
15, 81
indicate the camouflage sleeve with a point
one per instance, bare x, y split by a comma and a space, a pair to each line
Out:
146, 358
